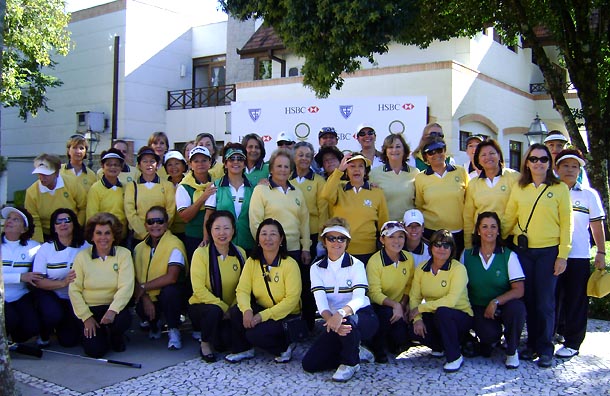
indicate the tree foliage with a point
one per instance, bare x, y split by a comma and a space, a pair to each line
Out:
34, 32
334, 36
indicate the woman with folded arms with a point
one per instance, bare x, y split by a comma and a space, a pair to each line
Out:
55, 260
103, 285
215, 271
495, 288
438, 300
539, 214
268, 292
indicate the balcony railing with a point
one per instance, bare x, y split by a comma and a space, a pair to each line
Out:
201, 97
541, 88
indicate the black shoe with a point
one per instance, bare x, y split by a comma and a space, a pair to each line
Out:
545, 361
485, 350
527, 354
380, 356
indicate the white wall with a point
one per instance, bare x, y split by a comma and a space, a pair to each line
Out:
209, 40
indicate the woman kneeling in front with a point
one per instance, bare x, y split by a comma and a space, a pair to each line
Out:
339, 286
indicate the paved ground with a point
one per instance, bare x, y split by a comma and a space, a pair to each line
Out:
415, 372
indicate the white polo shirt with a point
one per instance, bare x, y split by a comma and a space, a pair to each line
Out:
587, 207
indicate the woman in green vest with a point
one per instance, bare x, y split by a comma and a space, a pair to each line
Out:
495, 288
233, 192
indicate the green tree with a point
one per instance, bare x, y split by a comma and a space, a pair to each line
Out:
333, 35
34, 31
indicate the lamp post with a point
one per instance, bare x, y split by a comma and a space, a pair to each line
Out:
94, 140
537, 132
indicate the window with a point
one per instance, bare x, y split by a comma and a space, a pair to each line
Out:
464, 135
263, 69
209, 71
514, 156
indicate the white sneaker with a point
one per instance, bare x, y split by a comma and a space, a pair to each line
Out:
42, 343
437, 354
196, 335
239, 356
365, 355
452, 367
175, 340
512, 361
565, 352
286, 356
344, 372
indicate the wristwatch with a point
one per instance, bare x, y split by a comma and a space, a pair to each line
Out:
497, 302
342, 312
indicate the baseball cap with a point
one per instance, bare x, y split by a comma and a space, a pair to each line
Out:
147, 151
327, 131
199, 150
233, 151
364, 125
175, 154
413, 216
359, 156
391, 227
434, 146
9, 209
475, 137
285, 137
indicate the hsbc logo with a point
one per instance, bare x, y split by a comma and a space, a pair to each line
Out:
395, 106
266, 138
301, 109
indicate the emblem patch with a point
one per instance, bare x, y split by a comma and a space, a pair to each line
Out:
349, 283
66, 195
444, 283
254, 114
346, 110
115, 267
277, 278
368, 203
503, 188
235, 267
549, 195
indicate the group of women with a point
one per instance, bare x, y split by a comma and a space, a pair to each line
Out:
237, 239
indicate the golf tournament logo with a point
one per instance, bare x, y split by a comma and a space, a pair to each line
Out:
254, 114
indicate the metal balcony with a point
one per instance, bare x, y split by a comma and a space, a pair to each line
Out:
201, 97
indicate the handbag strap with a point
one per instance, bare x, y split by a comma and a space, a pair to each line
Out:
532, 212
267, 283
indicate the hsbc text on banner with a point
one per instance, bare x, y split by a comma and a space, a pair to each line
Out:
304, 119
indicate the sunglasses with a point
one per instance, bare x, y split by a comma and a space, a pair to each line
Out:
236, 158
392, 224
437, 134
155, 220
65, 220
534, 159
435, 151
283, 143
364, 133
333, 239
444, 245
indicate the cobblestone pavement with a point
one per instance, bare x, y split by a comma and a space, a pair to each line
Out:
414, 372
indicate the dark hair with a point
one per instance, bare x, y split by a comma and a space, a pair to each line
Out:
146, 150
261, 144
443, 235
485, 143
77, 231
257, 252
161, 209
217, 214
388, 141
367, 169
29, 232
476, 238
526, 174
104, 218
234, 146
115, 141
113, 151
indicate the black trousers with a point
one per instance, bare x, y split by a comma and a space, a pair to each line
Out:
394, 334
268, 335
106, 336
445, 330
308, 303
21, 321
330, 349
57, 315
572, 303
214, 329
169, 304
512, 316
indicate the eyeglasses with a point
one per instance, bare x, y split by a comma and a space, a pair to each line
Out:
437, 134
236, 158
333, 239
444, 245
435, 151
370, 132
65, 220
534, 159
155, 220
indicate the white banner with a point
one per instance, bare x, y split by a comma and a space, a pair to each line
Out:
304, 119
